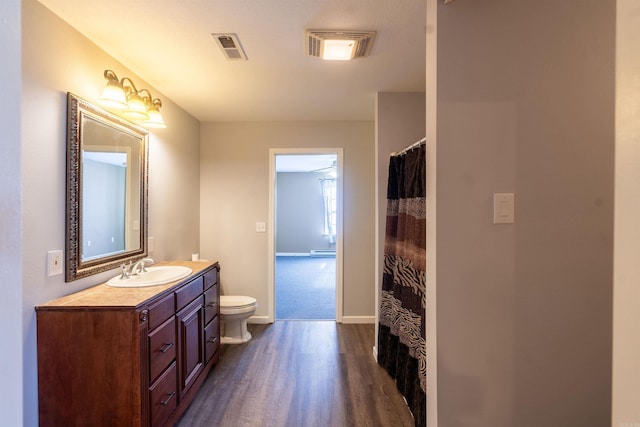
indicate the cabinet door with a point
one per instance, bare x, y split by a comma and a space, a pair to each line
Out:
162, 348
211, 307
210, 278
212, 338
191, 338
162, 395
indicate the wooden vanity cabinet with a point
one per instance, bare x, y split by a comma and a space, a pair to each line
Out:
127, 357
191, 338
211, 318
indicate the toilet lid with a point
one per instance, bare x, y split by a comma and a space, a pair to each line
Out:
236, 301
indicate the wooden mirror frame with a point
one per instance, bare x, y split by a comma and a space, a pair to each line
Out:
75, 267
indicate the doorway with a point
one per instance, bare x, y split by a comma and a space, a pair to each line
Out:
305, 234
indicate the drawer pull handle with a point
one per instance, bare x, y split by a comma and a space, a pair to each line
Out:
211, 304
212, 340
166, 347
165, 402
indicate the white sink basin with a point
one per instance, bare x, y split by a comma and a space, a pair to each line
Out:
154, 276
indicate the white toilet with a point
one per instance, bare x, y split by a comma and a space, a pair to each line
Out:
234, 312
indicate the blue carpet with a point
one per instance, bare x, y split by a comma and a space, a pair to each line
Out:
305, 288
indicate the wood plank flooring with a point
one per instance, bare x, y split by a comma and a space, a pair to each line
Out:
299, 374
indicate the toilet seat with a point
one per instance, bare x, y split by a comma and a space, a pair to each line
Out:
235, 304
236, 301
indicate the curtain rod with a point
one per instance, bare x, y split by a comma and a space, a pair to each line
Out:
414, 145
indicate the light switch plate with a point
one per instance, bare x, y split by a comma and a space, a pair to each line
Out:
54, 263
503, 208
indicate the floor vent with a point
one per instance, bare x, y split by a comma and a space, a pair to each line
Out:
230, 46
322, 252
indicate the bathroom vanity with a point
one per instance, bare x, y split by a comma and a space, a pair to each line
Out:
128, 356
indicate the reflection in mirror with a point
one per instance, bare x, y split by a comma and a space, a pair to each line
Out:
110, 212
106, 190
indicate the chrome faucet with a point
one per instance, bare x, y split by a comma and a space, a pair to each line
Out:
140, 266
125, 274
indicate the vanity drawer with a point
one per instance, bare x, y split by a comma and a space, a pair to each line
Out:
188, 293
161, 311
211, 338
210, 278
210, 304
162, 348
163, 395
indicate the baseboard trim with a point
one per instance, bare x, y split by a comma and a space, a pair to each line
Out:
292, 254
262, 320
345, 319
359, 319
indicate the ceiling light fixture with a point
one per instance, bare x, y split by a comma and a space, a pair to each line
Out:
122, 96
339, 45
338, 50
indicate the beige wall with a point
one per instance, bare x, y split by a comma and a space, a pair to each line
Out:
234, 196
57, 59
300, 213
626, 339
525, 105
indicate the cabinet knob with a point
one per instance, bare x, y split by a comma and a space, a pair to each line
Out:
144, 315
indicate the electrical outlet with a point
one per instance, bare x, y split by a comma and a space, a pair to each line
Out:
54, 263
261, 227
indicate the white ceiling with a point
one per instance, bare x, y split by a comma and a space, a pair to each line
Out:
168, 43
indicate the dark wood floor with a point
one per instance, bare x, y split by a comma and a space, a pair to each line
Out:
299, 374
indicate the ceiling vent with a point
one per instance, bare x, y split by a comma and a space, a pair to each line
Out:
230, 46
350, 44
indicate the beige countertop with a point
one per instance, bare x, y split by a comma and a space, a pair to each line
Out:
103, 295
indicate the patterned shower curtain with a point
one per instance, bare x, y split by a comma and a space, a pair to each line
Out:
401, 338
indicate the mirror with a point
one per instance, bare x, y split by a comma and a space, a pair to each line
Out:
106, 190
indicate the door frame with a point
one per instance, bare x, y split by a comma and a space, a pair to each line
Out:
271, 229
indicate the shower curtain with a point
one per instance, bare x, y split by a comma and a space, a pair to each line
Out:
401, 337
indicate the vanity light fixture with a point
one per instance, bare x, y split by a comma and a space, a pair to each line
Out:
339, 45
155, 118
122, 96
